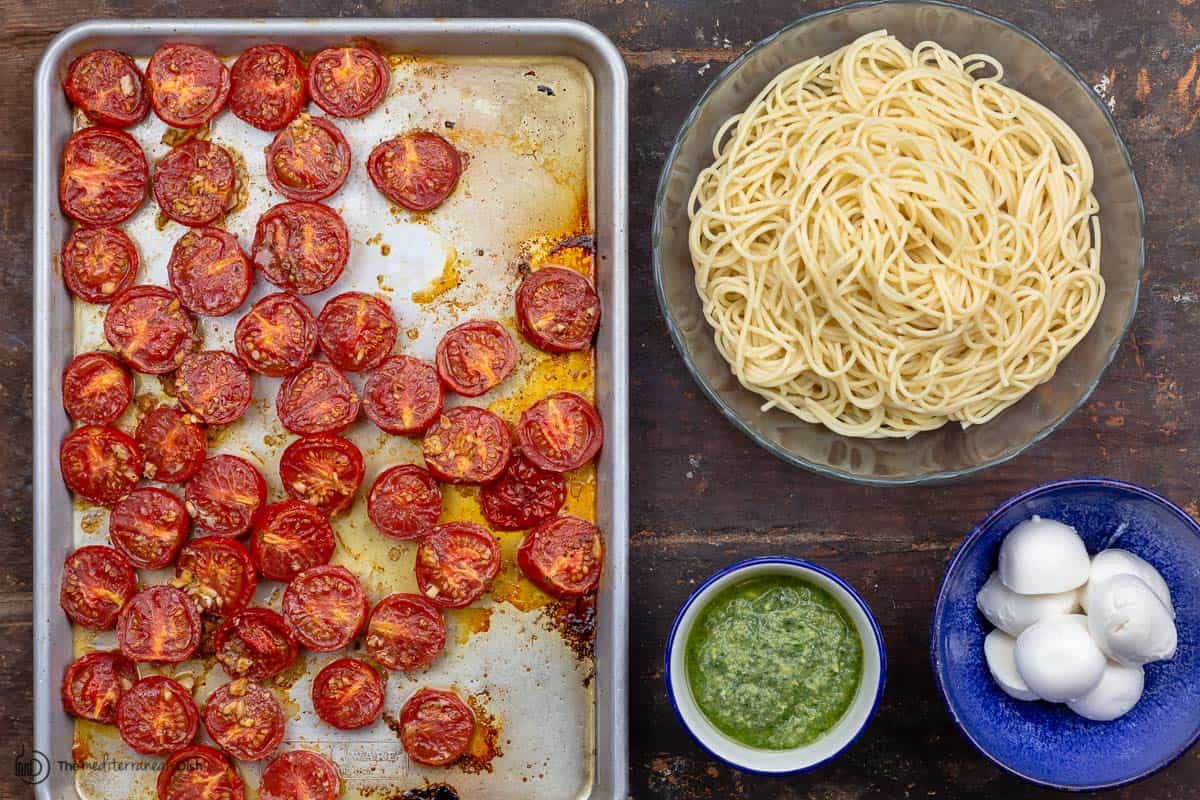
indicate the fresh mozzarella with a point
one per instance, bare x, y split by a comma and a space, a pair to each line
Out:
998, 650
1042, 556
1108, 563
1129, 623
1057, 658
1118, 691
1013, 613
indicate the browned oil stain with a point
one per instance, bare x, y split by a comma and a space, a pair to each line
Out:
81, 750
484, 747
510, 586
470, 620
449, 279
291, 673
432, 791
92, 521
575, 621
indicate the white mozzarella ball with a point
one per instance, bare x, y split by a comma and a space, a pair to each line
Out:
1118, 691
1113, 561
998, 651
1041, 556
1013, 613
1129, 623
1057, 658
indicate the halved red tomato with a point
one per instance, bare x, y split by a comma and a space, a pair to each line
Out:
188, 84
290, 538
96, 388
325, 608
467, 444
455, 563
215, 386
302, 247
403, 395
99, 263
150, 328
267, 86
104, 177
209, 272
557, 310
97, 583
322, 470
524, 495
108, 87
356, 331
475, 357
317, 399
254, 643
199, 773
277, 336
405, 502
94, 683
347, 81
217, 573
245, 719
226, 495
308, 160
417, 170
435, 727
560, 432
348, 694
194, 183
157, 716
173, 446
405, 632
564, 556
148, 526
159, 625
99, 463
300, 775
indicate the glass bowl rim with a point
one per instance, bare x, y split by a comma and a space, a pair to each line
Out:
741, 423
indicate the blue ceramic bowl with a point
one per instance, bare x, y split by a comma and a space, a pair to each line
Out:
1045, 743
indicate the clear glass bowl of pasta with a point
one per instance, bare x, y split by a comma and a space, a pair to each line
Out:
951, 450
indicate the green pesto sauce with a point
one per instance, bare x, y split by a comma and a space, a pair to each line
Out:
773, 661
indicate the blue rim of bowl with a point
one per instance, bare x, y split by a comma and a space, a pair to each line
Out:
738, 421
804, 565
940, 603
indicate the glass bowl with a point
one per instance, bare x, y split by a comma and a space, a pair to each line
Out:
950, 451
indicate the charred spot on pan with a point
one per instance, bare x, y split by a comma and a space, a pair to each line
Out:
449, 124
484, 747
574, 619
431, 791
585, 241
546, 90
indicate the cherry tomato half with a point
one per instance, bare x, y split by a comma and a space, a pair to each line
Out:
290, 538
560, 432
148, 526
348, 694
96, 388
267, 86
564, 556
557, 310
173, 446
104, 177
455, 564
475, 357
254, 643
188, 84
245, 719
405, 502
157, 716
417, 170
108, 87
215, 386
199, 773
435, 727
467, 444
94, 683
159, 625
99, 463
194, 183
405, 632
356, 331
209, 272
217, 573
99, 263
524, 495
277, 336
325, 608
226, 495
97, 583
300, 775
302, 247
308, 160
403, 395
347, 81
150, 328
322, 470
317, 399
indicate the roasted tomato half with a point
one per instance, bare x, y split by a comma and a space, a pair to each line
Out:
475, 357
308, 160
557, 310
405, 632
290, 538
215, 386
317, 399
435, 727
96, 388
94, 683
302, 247
347, 81
278, 335
150, 328
467, 444
148, 526
194, 183
188, 84
108, 87
100, 464
455, 563
561, 432
209, 272
403, 396
226, 495
325, 608
173, 446
159, 625
267, 86
300, 775
104, 177
417, 170
322, 470
199, 773
157, 716
254, 643
97, 583
245, 719
217, 573
405, 502
99, 263
348, 694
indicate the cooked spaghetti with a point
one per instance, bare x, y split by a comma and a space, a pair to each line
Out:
890, 239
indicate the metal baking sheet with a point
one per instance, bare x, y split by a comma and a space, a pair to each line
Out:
539, 107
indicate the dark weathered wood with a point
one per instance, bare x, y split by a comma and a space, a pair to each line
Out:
693, 507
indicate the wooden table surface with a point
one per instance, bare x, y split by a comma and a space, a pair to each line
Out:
693, 509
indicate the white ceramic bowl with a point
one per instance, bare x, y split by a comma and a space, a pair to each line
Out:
797, 759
